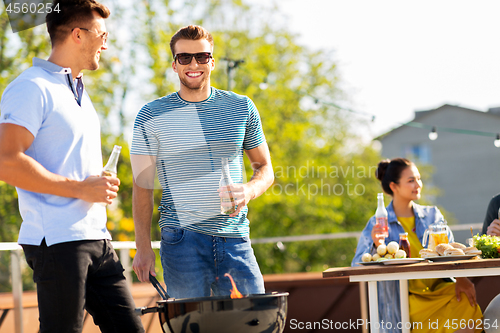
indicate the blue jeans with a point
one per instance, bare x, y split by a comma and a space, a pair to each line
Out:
74, 276
194, 264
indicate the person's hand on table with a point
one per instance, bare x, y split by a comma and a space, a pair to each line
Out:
494, 228
464, 285
377, 235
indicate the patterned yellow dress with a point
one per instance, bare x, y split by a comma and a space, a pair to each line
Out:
433, 302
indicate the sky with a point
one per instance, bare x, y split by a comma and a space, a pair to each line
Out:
396, 57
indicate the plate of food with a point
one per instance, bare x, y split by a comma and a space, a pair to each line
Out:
452, 258
380, 262
384, 253
402, 261
450, 252
488, 245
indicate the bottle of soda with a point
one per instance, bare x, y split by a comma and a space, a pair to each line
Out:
227, 205
404, 244
381, 216
110, 169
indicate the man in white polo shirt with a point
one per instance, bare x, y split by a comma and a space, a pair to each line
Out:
50, 149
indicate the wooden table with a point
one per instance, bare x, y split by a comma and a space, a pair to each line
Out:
405, 272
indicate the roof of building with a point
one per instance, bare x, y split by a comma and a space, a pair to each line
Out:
422, 114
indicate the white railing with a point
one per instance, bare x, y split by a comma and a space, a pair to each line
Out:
124, 248
16, 255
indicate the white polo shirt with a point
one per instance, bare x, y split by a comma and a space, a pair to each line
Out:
43, 99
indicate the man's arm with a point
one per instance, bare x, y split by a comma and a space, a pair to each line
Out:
20, 170
262, 178
143, 168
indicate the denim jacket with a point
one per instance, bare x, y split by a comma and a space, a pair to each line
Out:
388, 291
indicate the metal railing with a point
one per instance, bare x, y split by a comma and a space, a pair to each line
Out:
123, 249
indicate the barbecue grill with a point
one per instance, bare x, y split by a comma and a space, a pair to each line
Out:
259, 313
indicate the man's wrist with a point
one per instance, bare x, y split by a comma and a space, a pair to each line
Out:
143, 244
144, 247
74, 188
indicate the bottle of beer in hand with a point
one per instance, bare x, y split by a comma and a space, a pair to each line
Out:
227, 204
381, 216
110, 169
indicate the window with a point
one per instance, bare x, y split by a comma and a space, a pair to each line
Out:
419, 153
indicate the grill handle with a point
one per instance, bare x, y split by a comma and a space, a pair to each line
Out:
144, 310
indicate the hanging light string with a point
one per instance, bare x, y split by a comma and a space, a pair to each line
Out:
433, 129
449, 129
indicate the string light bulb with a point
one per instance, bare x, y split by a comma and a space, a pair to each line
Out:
497, 141
433, 134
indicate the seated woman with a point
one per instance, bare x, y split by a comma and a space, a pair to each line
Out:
431, 300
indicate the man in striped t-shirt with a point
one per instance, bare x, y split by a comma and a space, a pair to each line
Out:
184, 137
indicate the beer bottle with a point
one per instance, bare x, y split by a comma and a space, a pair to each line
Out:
110, 169
227, 205
381, 215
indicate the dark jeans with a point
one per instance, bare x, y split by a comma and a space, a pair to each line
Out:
74, 276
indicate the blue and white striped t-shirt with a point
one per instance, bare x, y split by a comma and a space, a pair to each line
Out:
189, 140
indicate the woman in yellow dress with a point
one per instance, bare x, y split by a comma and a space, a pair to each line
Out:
436, 305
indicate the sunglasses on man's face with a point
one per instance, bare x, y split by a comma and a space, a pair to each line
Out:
186, 58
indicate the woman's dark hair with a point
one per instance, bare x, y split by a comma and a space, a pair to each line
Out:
71, 14
389, 171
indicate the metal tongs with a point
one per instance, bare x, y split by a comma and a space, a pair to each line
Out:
158, 287
163, 294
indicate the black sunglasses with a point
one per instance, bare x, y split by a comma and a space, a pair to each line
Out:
186, 58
